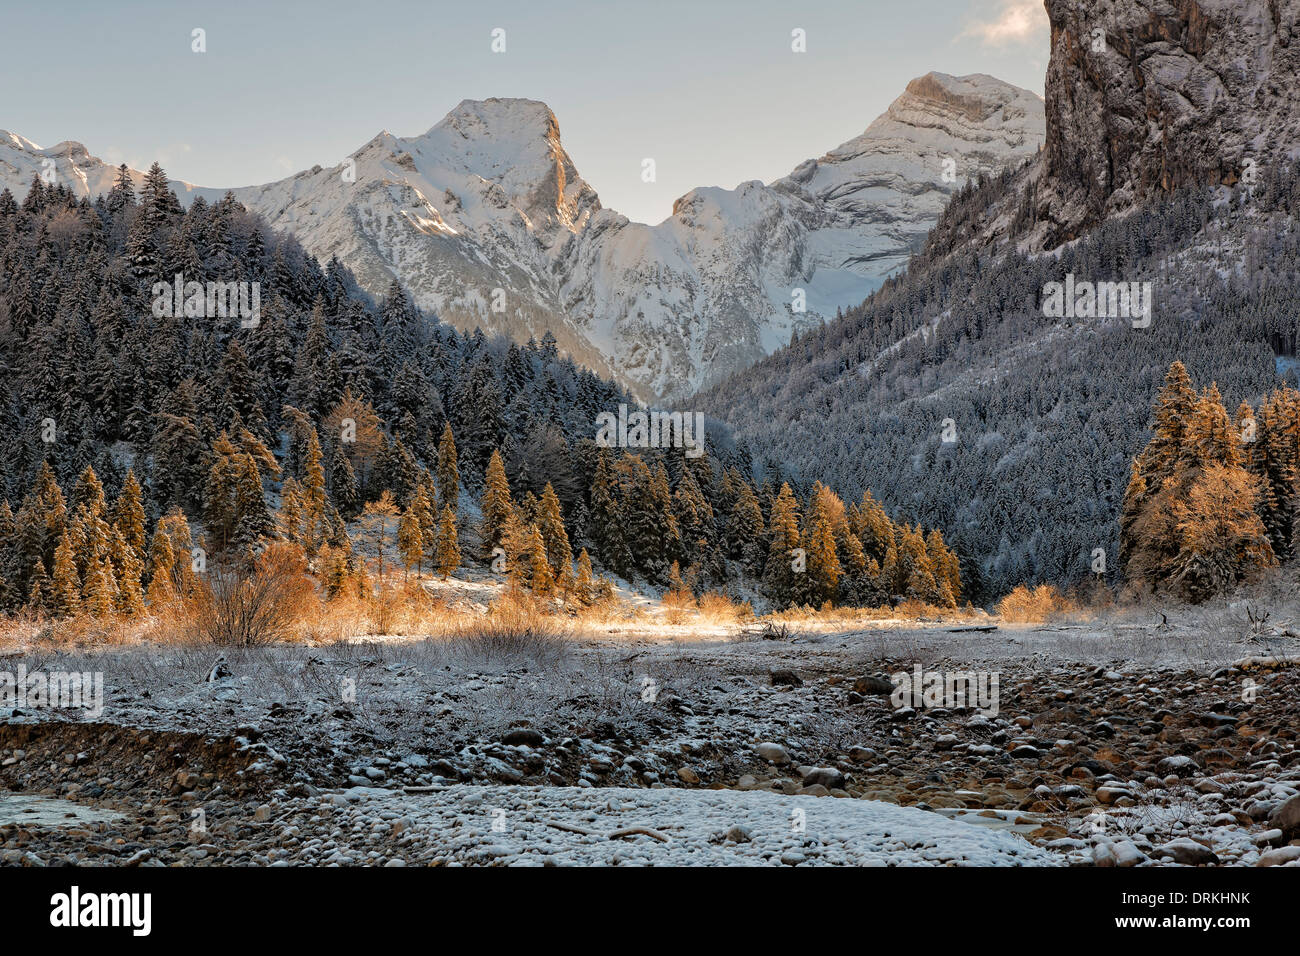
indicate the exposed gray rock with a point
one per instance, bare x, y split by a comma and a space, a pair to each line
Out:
773, 753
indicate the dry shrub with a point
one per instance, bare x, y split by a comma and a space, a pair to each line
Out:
718, 608
343, 617
610, 610
519, 626
912, 608
1026, 605
837, 615
1091, 598
37, 629
244, 607
677, 604
844, 613
800, 612
394, 607
776, 631
385, 604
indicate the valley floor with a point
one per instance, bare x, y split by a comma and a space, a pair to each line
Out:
1129, 741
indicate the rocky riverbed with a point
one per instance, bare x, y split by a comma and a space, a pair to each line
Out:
1098, 752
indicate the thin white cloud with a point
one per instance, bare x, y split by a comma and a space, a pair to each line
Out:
172, 153
1010, 22
166, 155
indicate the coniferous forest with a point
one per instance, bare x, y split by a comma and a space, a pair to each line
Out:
143, 445
954, 397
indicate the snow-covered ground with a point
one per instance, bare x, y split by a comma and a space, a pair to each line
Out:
567, 826
1126, 741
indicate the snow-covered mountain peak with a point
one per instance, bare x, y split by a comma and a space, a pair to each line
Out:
513, 146
502, 120
68, 151
14, 141
941, 131
974, 98
486, 221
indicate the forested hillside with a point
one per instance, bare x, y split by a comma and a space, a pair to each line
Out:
1042, 416
327, 422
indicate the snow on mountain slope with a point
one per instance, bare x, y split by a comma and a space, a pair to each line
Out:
489, 200
68, 163
882, 191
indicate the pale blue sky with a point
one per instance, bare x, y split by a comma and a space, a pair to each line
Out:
710, 89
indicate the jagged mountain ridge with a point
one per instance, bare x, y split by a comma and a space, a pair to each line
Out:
488, 199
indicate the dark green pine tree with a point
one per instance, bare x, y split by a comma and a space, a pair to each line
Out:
745, 528
311, 387
448, 472
1274, 457
398, 471
343, 483
240, 393
665, 547
179, 462
122, 194
11, 595
156, 192
253, 520
607, 519
695, 521
220, 507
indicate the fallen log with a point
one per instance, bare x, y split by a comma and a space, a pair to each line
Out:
644, 831
569, 827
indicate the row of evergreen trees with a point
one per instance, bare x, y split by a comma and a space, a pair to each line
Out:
351, 429
79, 554
1211, 498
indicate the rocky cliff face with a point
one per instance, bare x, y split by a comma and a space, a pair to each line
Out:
1150, 95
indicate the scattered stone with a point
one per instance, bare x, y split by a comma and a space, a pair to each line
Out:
523, 736
1279, 857
1287, 817
828, 777
1178, 766
1126, 854
1189, 852
1269, 838
874, 685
